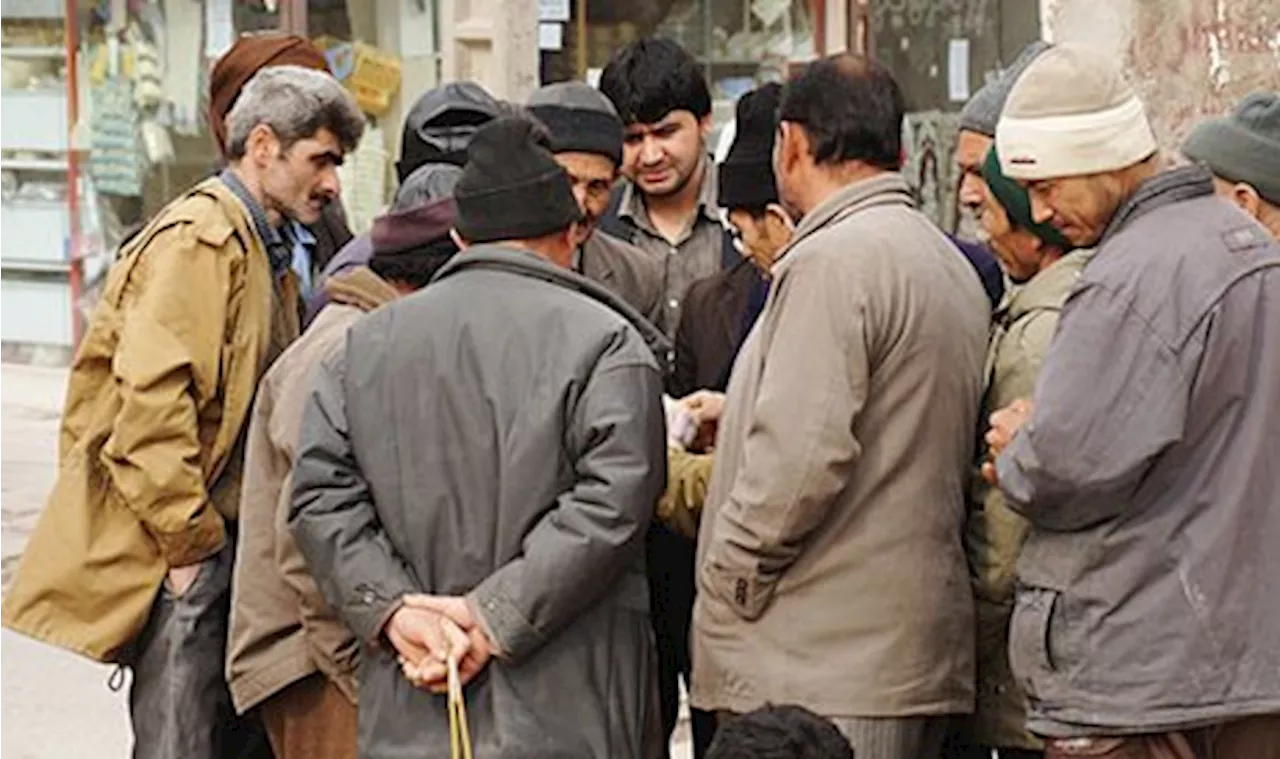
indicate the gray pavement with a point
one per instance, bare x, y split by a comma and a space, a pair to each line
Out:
54, 704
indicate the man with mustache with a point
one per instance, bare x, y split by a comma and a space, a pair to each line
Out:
131, 560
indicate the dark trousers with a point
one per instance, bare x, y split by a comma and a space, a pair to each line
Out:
179, 703
671, 592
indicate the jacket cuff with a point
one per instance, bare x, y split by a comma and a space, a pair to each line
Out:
506, 625
203, 537
371, 609
746, 593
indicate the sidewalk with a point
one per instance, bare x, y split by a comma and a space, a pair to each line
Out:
54, 704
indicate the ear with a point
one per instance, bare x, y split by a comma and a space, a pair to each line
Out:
458, 239
705, 125
1245, 196
262, 144
793, 145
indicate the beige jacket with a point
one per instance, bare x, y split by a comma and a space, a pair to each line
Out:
994, 533
831, 572
281, 628
158, 395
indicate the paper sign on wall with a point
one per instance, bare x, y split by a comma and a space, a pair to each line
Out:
550, 36
553, 10
958, 69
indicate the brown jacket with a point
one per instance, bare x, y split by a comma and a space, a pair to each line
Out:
157, 397
1023, 328
831, 572
281, 628
712, 328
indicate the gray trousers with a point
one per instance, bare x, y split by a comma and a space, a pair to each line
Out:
895, 737
179, 703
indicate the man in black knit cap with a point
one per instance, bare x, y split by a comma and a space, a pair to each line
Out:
482, 488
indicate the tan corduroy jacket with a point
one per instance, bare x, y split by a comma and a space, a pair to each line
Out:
159, 390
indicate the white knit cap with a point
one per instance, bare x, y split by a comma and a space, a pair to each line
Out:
1072, 113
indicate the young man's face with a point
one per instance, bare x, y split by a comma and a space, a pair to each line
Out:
301, 180
1079, 207
762, 236
662, 157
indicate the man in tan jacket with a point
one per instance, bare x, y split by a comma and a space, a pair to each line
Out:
290, 655
131, 559
831, 573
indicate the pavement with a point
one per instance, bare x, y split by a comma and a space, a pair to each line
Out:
54, 704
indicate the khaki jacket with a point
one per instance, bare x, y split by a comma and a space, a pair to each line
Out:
281, 628
159, 390
994, 533
831, 570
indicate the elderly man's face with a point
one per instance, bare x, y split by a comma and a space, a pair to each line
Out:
971, 151
1079, 207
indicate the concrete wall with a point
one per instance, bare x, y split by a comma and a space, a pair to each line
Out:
1188, 58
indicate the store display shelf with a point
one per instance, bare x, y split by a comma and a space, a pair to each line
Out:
33, 51
35, 267
33, 164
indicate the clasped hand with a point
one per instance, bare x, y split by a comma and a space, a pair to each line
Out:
427, 630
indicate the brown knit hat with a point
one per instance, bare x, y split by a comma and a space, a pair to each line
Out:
237, 66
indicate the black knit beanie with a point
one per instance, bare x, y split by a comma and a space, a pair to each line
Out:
746, 176
579, 118
511, 187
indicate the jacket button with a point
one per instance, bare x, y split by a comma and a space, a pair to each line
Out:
369, 597
740, 593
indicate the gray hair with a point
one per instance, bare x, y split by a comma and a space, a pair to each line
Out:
295, 102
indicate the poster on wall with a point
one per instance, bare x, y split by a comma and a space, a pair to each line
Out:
958, 70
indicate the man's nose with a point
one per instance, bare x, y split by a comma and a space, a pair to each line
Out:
972, 190
650, 150
330, 183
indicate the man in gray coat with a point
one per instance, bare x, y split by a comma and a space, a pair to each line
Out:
831, 573
1145, 622
491, 449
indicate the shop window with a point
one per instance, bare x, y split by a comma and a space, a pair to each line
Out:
741, 43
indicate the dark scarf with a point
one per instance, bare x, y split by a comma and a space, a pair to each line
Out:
278, 252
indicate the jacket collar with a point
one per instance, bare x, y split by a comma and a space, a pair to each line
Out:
277, 248
1161, 190
1044, 290
887, 188
508, 258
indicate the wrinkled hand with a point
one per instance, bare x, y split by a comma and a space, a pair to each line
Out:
180, 579
1004, 425
458, 611
705, 405
424, 640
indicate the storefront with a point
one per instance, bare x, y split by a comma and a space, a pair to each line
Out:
740, 43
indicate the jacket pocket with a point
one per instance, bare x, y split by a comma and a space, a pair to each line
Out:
1031, 654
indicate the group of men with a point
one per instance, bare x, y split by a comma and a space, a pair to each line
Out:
585, 415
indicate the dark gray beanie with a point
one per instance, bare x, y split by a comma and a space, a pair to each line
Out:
982, 111
580, 119
1243, 147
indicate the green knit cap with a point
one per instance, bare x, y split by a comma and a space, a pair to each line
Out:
1017, 203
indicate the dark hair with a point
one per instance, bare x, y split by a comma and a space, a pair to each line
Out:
850, 107
414, 267
650, 78
779, 732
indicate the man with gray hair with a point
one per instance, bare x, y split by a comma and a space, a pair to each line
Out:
131, 560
